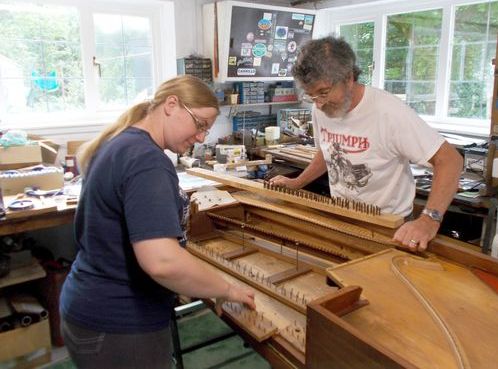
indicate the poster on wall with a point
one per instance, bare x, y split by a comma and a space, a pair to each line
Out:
264, 42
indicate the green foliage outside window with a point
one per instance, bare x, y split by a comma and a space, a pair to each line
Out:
41, 68
361, 38
474, 47
412, 52
124, 50
40, 47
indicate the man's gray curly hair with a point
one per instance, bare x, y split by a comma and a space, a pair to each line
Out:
329, 59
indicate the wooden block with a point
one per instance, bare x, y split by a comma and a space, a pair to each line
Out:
244, 251
288, 274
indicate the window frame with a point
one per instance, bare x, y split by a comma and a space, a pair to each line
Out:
378, 13
161, 17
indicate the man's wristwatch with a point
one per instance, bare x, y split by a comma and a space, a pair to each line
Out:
433, 214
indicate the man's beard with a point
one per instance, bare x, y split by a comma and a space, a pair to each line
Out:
333, 111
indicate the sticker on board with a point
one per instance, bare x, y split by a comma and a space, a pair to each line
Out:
281, 32
246, 71
275, 67
292, 46
259, 50
264, 24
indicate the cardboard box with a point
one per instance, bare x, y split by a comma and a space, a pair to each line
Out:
50, 178
15, 157
49, 149
41, 151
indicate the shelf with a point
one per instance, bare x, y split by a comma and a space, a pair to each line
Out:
24, 274
234, 108
263, 104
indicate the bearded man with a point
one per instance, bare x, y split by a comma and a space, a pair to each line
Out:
367, 139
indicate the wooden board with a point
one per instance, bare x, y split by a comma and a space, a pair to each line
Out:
298, 153
313, 285
251, 274
40, 207
293, 237
311, 216
386, 220
261, 270
280, 315
464, 306
290, 158
255, 323
431, 313
336, 242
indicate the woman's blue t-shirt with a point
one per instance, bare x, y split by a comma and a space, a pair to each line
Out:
130, 194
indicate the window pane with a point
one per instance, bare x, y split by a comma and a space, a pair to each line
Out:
473, 47
412, 52
124, 51
361, 38
40, 59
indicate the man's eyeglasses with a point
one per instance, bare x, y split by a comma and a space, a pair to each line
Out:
321, 97
317, 98
199, 124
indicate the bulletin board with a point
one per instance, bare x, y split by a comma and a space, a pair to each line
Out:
265, 42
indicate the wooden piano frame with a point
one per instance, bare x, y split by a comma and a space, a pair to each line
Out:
304, 265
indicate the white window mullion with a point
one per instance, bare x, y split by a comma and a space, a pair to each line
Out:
90, 71
379, 50
444, 63
164, 56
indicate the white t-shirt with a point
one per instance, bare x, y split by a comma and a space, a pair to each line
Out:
368, 151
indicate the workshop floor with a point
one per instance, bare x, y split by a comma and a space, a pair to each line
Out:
194, 329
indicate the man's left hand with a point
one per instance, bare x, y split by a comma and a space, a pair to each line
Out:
417, 233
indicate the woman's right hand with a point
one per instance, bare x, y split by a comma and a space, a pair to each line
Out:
243, 295
291, 183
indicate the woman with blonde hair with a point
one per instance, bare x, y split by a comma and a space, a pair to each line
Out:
130, 230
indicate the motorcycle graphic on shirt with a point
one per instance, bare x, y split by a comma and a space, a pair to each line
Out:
341, 170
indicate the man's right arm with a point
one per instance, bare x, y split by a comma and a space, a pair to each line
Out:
314, 170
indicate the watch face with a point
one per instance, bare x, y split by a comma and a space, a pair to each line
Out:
433, 214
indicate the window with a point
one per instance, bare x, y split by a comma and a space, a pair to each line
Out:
434, 54
411, 59
473, 48
84, 61
40, 59
124, 58
361, 37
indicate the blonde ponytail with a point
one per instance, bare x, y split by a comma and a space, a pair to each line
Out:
127, 119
